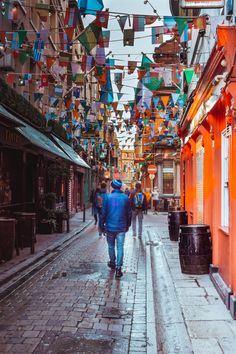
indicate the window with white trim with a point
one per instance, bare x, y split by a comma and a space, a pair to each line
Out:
225, 177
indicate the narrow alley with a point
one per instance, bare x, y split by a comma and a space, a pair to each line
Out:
74, 304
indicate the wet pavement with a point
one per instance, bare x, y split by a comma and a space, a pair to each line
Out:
74, 304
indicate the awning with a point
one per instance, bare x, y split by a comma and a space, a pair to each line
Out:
7, 119
33, 135
71, 153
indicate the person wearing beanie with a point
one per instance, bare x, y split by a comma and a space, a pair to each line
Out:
115, 220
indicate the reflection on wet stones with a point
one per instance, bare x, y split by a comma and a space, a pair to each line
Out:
75, 344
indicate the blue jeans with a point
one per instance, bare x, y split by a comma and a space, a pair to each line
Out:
119, 239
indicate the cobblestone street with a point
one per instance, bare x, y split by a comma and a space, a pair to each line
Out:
74, 304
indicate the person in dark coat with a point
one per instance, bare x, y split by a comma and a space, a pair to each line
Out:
116, 220
100, 197
139, 206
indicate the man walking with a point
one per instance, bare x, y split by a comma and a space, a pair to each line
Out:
139, 206
116, 220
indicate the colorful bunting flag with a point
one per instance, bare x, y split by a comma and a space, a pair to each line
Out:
43, 11
64, 44
21, 37
71, 17
181, 24
90, 6
23, 57
149, 20
131, 66
49, 62
104, 39
138, 23
189, 74
199, 22
102, 18
100, 56
58, 90
128, 39
90, 36
169, 22
156, 31
70, 33
122, 21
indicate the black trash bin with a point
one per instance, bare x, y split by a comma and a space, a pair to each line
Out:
25, 230
7, 238
175, 219
195, 249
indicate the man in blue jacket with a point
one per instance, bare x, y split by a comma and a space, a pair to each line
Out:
116, 220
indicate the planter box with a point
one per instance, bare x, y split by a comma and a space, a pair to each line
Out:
46, 228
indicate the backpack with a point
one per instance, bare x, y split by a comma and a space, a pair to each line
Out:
138, 200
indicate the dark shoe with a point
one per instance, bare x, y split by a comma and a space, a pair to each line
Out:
118, 272
111, 265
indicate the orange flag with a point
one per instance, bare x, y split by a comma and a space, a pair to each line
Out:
165, 100
50, 61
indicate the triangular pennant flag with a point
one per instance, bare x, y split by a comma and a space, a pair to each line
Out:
189, 74
146, 62
122, 20
49, 62
199, 22
141, 73
119, 96
71, 17
21, 37
43, 11
128, 39
149, 20
175, 97
90, 6
114, 105
165, 100
155, 100
181, 23
90, 36
23, 57
70, 33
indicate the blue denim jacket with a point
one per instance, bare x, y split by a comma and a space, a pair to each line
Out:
116, 212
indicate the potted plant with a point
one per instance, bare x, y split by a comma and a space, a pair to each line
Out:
61, 216
50, 200
46, 221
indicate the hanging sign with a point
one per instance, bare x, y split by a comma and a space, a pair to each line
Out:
201, 4
152, 169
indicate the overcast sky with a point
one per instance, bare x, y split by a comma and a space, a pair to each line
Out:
123, 54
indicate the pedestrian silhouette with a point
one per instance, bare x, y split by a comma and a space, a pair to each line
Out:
115, 221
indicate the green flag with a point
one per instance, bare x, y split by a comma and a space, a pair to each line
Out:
181, 23
146, 62
23, 57
189, 74
21, 37
90, 36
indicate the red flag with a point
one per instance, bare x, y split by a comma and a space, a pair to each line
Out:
200, 22
50, 61
102, 18
70, 32
150, 19
44, 80
131, 66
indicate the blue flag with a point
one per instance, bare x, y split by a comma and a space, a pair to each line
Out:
90, 6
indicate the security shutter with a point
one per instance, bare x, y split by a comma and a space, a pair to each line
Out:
199, 182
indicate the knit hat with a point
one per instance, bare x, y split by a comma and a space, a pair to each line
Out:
116, 184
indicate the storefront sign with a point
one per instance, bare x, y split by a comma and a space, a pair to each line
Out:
11, 137
206, 4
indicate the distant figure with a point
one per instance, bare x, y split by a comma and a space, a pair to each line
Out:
139, 206
127, 192
99, 203
165, 204
148, 198
93, 199
155, 199
116, 220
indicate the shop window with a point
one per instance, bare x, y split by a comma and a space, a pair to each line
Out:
168, 183
168, 164
225, 177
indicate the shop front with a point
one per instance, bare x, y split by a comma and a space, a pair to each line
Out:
208, 160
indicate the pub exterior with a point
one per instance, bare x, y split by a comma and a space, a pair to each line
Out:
208, 160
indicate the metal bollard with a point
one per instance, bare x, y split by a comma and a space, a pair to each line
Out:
84, 213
